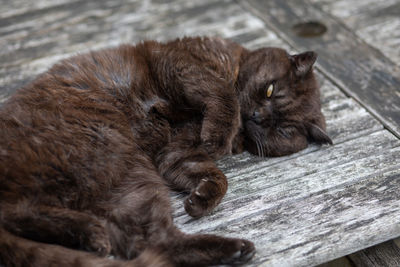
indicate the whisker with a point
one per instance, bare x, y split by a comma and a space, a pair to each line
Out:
261, 147
258, 147
259, 142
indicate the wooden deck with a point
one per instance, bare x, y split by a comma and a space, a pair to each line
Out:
305, 209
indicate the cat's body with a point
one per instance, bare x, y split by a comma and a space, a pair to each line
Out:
89, 150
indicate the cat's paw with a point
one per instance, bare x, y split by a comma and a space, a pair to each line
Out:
242, 252
203, 198
216, 250
96, 239
210, 250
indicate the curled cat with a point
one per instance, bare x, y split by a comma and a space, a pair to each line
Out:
90, 149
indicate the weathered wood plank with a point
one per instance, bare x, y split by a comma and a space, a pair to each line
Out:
376, 22
267, 185
322, 226
363, 72
385, 254
339, 262
16, 7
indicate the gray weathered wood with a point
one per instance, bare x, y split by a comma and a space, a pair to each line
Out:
339, 262
376, 22
321, 226
270, 184
363, 72
385, 254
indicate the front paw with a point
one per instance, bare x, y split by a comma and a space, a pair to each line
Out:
203, 198
96, 239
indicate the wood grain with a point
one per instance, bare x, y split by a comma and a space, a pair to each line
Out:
305, 175
376, 22
385, 254
322, 226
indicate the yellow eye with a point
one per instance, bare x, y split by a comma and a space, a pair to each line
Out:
270, 90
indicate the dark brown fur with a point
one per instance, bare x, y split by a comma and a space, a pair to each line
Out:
89, 150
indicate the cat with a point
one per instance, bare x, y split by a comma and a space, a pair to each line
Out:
90, 149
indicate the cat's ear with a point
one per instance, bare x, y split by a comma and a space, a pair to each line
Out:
318, 135
303, 62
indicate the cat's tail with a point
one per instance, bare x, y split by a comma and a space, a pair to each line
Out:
17, 251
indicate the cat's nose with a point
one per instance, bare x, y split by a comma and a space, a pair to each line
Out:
255, 117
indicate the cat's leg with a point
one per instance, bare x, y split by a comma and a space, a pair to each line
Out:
141, 219
20, 252
187, 167
217, 100
220, 123
137, 209
204, 250
56, 225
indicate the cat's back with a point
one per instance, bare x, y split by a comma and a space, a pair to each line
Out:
98, 83
68, 124
215, 54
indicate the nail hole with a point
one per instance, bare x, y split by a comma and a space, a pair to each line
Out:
309, 29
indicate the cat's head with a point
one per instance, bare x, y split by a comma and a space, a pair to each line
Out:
280, 102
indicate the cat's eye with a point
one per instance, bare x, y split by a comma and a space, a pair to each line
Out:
270, 90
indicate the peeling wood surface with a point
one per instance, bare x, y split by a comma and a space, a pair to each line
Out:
300, 210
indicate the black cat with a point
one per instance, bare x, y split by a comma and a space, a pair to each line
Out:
89, 150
